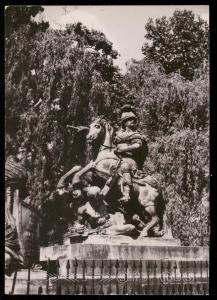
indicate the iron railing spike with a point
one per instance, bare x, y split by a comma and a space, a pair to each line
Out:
195, 265
48, 264
84, 264
75, 262
67, 265
207, 264
161, 269
57, 263
102, 264
93, 264
198, 288
134, 265
181, 269
155, 264
191, 289
185, 289
161, 265
126, 264
110, 265
201, 269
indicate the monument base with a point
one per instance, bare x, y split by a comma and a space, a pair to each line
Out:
97, 247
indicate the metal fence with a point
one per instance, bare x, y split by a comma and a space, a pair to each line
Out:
128, 277
103, 277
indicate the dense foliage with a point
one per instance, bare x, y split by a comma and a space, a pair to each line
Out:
55, 78
174, 115
178, 43
16, 16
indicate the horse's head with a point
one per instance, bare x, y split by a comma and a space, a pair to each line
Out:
98, 129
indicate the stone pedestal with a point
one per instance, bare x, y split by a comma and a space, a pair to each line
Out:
121, 247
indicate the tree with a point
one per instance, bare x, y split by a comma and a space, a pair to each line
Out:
174, 114
20, 30
178, 43
18, 15
55, 78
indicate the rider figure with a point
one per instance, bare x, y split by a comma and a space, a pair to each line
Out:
127, 141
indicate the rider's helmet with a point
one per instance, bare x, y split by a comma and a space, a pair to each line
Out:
128, 113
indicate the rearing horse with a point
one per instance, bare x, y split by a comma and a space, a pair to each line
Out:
145, 190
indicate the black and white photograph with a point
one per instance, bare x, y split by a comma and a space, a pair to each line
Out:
107, 150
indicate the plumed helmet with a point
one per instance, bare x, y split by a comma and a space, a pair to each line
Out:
128, 113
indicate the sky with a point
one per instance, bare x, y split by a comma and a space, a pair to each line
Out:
124, 25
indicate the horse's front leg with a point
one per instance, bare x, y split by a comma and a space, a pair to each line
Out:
77, 177
151, 210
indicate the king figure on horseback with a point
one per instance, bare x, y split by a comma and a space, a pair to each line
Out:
128, 144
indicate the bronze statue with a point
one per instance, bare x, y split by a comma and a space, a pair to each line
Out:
114, 171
